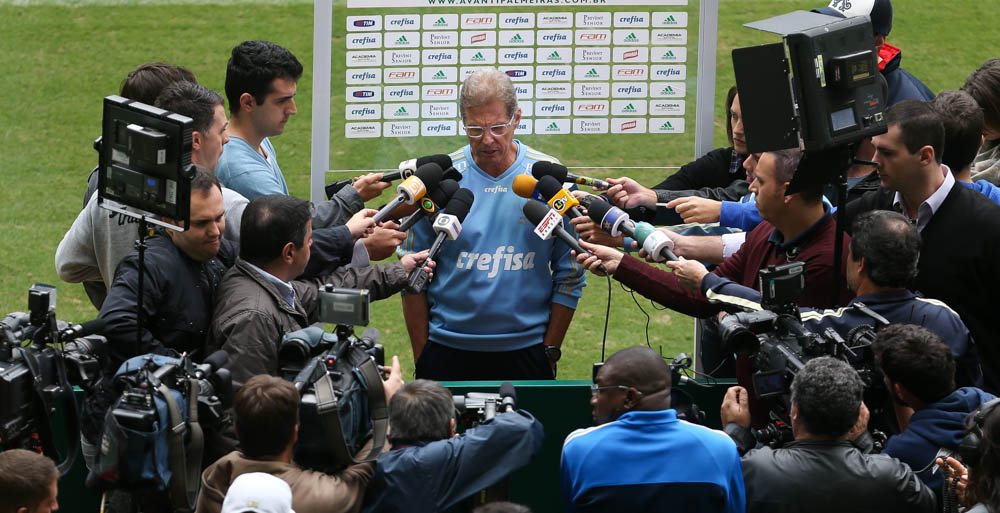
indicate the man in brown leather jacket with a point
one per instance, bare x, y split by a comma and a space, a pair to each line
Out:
822, 470
259, 299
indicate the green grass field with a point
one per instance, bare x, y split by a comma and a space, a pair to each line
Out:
60, 58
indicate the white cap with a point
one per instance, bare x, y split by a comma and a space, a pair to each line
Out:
258, 492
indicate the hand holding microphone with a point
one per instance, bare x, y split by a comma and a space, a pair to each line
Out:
447, 225
426, 178
370, 188
615, 221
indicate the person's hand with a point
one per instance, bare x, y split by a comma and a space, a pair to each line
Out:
394, 382
736, 407
361, 223
688, 272
697, 210
674, 236
862, 424
410, 262
599, 255
589, 231
627, 193
383, 241
370, 186
954, 469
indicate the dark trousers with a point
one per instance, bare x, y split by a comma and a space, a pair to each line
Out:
443, 363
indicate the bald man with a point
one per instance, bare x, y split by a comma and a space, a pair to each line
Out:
640, 456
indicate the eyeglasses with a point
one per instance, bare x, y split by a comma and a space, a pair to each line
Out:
500, 130
594, 389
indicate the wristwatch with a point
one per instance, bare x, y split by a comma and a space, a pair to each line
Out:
553, 353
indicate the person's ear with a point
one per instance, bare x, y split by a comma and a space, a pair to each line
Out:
926, 155
247, 102
196, 141
288, 253
451, 427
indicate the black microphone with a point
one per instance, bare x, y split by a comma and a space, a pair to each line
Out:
557, 197
438, 199
548, 222
217, 360
508, 397
426, 178
408, 167
616, 222
82, 330
447, 225
559, 172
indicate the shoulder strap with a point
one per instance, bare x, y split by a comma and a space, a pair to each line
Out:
184, 478
329, 413
863, 308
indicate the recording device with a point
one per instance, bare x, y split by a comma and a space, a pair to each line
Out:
548, 222
562, 174
447, 225
616, 222
780, 346
970, 449
338, 377
827, 92
431, 204
475, 408
557, 197
426, 178
145, 160
406, 169
35, 375
527, 187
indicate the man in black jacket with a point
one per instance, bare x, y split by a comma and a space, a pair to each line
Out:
959, 227
822, 470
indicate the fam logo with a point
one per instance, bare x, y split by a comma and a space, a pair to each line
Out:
439, 92
479, 21
400, 75
591, 37
630, 72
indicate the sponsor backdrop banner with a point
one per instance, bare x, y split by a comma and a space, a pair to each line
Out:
601, 83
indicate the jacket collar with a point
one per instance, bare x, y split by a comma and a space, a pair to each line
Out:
248, 270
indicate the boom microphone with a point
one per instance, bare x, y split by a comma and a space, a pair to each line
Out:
557, 197
427, 177
548, 223
616, 222
560, 173
431, 204
447, 225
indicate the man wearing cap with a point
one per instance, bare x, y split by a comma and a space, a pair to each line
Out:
902, 85
258, 492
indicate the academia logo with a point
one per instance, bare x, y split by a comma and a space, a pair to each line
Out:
362, 130
666, 107
363, 58
555, 20
669, 37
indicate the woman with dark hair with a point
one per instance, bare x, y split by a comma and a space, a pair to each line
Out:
978, 486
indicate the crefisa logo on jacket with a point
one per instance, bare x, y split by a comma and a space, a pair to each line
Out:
503, 259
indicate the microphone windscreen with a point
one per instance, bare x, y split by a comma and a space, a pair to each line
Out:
535, 211
451, 173
598, 209
557, 171
217, 359
524, 185
507, 390
548, 186
460, 203
440, 159
444, 192
91, 327
429, 173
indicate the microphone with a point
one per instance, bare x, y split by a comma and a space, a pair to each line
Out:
557, 197
431, 204
447, 225
560, 173
548, 222
508, 397
82, 330
427, 177
527, 187
408, 167
217, 360
616, 222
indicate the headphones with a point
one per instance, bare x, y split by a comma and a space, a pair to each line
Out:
970, 449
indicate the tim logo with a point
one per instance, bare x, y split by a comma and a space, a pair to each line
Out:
629, 125
363, 94
516, 73
364, 23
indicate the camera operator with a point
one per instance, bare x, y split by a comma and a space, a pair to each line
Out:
822, 470
959, 227
259, 299
918, 370
266, 418
29, 482
640, 457
429, 468
881, 260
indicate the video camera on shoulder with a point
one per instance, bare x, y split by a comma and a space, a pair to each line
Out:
339, 378
474, 408
35, 348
